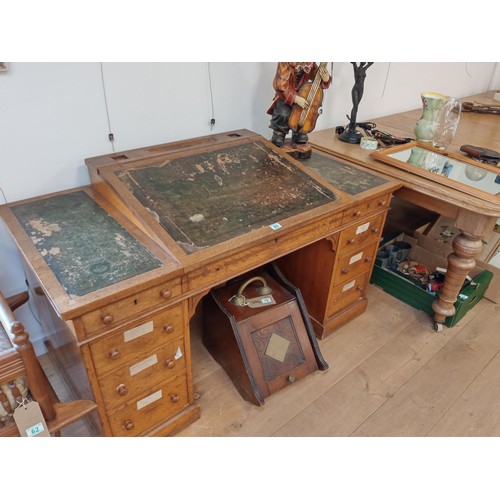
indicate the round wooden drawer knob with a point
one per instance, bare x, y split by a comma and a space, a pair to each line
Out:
382, 203
357, 213
107, 318
165, 293
121, 390
359, 288
375, 230
114, 354
168, 328
368, 259
170, 363
129, 425
174, 398
351, 241
345, 270
291, 379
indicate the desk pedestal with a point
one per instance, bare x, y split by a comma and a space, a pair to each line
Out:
333, 274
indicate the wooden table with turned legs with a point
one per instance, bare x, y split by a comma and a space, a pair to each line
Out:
474, 214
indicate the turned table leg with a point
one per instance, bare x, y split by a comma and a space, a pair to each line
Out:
465, 248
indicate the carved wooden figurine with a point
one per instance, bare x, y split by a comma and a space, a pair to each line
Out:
297, 103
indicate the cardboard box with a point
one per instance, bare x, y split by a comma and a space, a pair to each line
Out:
443, 250
415, 295
443, 231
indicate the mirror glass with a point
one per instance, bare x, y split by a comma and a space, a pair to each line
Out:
439, 164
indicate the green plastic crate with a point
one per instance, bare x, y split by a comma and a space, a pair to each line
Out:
408, 292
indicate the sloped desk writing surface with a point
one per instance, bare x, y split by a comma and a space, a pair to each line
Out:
346, 177
84, 251
474, 215
223, 204
211, 197
83, 245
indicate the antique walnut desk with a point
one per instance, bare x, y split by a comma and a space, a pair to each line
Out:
474, 211
120, 266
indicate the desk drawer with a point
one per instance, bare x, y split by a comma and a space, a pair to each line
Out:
348, 293
151, 408
128, 381
354, 263
362, 233
129, 307
367, 208
129, 346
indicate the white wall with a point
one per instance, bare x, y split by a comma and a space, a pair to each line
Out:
53, 115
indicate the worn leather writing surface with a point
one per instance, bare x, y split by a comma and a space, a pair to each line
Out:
83, 245
209, 197
347, 178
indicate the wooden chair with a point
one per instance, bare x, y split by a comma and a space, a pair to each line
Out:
20, 371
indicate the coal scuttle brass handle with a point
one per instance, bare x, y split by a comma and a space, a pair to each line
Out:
240, 300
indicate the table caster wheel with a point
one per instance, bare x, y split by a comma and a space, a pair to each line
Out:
438, 327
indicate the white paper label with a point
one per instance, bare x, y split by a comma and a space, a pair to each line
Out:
355, 258
349, 285
138, 331
142, 365
263, 300
178, 353
362, 228
150, 399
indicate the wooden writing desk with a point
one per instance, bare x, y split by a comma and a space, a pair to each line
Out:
473, 214
118, 268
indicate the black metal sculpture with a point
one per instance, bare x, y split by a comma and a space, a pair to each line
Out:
350, 134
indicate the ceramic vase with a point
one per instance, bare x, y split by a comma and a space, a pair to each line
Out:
439, 120
432, 103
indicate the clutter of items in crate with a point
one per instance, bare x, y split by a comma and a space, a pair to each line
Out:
395, 257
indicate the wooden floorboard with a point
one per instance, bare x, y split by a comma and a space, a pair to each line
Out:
367, 387
422, 401
390, 374
476, 412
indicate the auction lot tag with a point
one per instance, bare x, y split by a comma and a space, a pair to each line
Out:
29, 420
263, 300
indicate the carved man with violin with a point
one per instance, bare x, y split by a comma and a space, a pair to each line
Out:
297, 103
